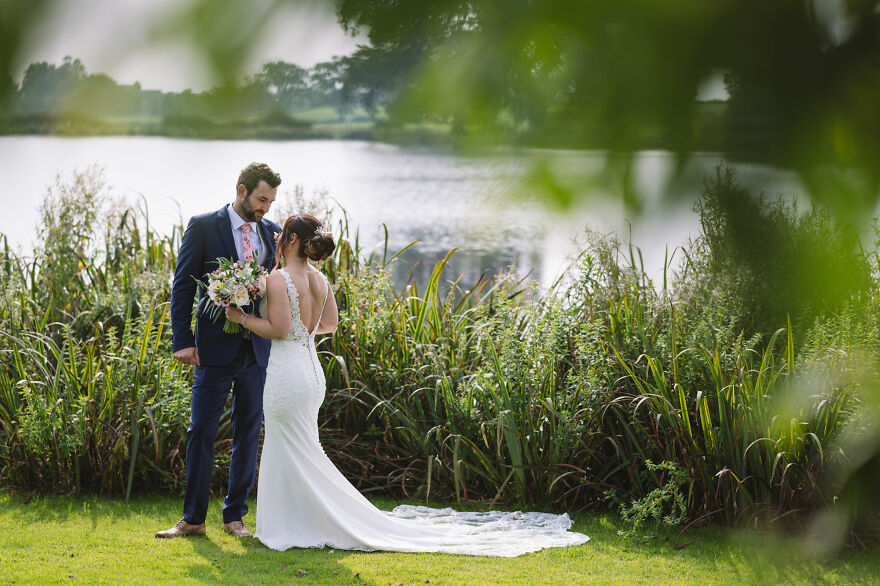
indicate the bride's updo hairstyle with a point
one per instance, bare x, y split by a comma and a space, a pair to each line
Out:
316, 244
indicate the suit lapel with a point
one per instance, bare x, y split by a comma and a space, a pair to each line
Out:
224, 226
269, 242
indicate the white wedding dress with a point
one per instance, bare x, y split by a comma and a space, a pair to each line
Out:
304, 501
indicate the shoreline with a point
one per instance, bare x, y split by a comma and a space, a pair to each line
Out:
284, 127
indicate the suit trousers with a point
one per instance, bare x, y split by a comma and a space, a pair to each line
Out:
211, 385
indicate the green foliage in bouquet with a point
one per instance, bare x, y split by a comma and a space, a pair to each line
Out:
238, 283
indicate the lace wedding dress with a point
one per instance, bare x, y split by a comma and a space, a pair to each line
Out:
304, 501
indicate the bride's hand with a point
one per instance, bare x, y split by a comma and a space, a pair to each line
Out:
234, 314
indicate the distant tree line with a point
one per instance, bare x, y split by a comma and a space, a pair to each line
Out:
382, 80
278, 87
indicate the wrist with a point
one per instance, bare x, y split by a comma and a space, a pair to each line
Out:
244, 317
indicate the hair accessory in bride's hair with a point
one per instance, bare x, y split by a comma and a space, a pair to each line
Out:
320, 231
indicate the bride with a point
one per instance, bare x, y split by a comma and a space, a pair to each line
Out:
302, 499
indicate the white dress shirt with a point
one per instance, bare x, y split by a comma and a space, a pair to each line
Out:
255, 237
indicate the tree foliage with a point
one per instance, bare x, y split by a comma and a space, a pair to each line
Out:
286, 82
591, 69
50, 89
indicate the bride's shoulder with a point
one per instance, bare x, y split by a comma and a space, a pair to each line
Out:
276, 276
316, 278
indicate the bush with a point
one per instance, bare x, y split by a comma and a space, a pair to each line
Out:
498, 392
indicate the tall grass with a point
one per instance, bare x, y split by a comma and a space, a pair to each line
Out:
494, 391
90, 397
559, 397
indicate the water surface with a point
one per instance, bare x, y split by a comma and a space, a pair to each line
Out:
479, 204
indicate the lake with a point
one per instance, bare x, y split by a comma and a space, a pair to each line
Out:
482, 205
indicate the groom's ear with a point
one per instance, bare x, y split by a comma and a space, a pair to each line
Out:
241, 191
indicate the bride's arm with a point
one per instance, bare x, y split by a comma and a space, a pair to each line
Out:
330, 317
278, 309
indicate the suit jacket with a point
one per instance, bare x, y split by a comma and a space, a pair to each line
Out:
207, 238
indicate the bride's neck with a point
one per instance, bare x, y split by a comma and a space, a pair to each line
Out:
295, 263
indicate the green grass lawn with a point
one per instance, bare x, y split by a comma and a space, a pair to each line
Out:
96, 539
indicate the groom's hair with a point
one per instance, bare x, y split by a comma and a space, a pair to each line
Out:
251, 175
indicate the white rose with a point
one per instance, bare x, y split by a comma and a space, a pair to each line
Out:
240, 296
212, 290
262, 284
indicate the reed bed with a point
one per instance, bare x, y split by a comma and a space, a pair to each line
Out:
496, 391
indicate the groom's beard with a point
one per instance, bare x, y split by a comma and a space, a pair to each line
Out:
250, 214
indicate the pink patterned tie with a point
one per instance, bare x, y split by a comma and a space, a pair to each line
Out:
247, 249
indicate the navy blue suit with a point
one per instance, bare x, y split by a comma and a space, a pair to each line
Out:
227, 361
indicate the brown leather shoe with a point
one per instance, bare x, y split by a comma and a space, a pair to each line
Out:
236, 529
182, 529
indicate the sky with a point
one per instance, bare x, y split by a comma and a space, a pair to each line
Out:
111, 36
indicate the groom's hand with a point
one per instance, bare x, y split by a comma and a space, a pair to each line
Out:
188, 356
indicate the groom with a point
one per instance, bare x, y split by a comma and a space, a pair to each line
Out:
222, 361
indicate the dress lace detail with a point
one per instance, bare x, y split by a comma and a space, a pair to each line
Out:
304, 501
295, 351
298, 331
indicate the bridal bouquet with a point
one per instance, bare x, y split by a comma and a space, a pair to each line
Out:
233, 283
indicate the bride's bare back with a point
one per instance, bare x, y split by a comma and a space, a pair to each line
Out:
312, 291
